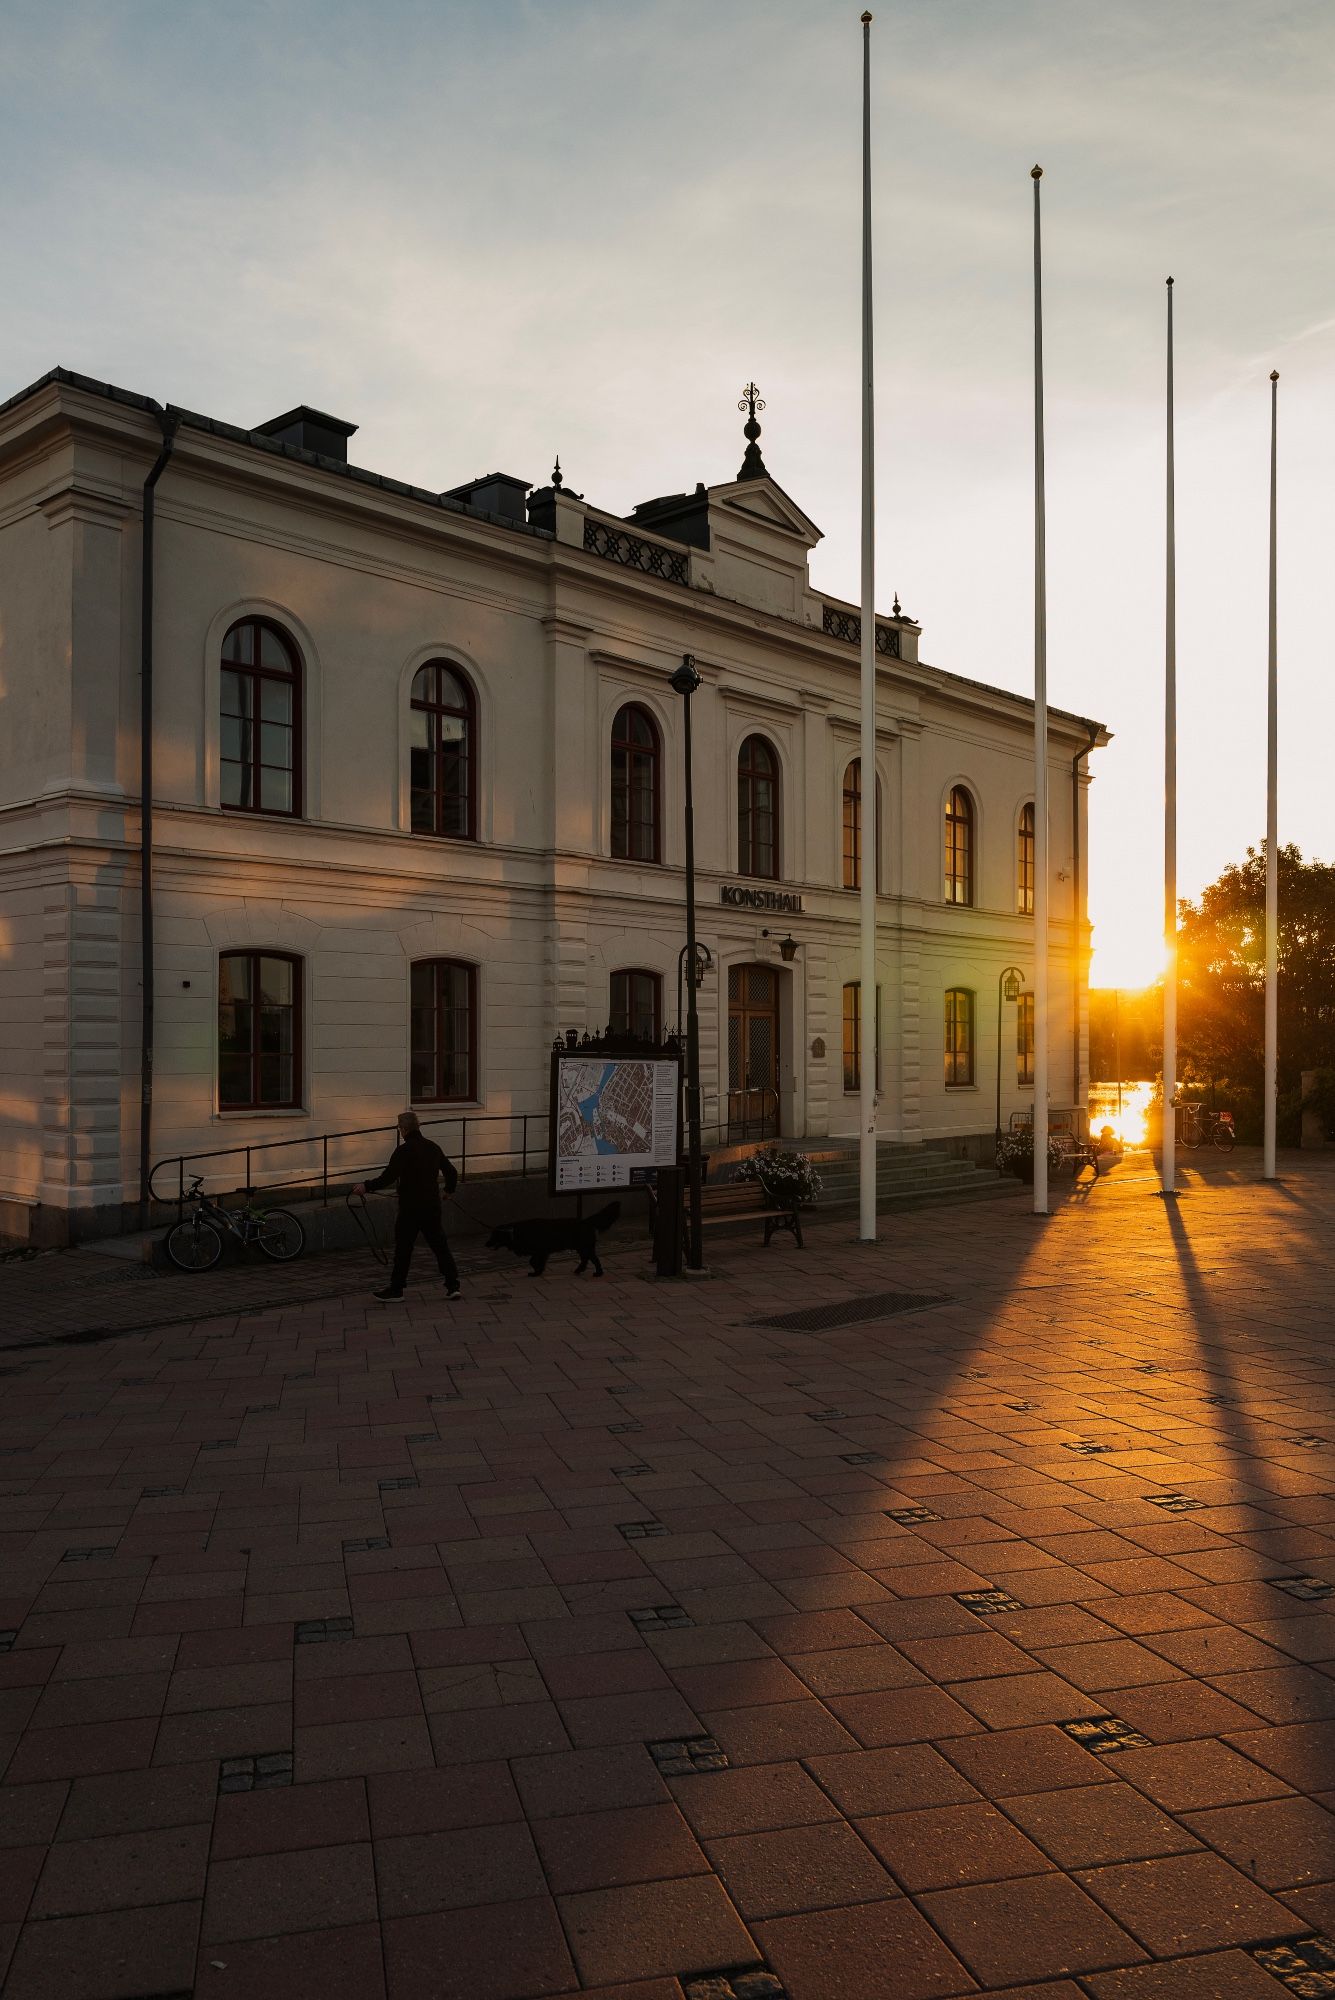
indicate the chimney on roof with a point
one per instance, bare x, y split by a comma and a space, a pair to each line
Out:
312, 430
495, 493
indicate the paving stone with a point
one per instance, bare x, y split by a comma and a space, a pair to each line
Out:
1179, 1588
683, 1756
1185, 1903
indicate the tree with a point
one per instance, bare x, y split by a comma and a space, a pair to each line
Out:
1221, 989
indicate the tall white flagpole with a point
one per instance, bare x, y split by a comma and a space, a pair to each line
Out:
1040, 743
1272, 806
869, 830
1168, 1168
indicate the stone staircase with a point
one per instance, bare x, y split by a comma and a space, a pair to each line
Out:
906, 1176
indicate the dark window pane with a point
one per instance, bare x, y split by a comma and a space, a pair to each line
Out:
276, 745
239, 645
276, 701
234, 1080
276, 790
235, 693
273, 652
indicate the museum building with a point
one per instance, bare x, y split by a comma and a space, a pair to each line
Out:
417, 792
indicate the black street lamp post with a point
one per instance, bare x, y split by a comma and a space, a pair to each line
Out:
685, 682
1009, 982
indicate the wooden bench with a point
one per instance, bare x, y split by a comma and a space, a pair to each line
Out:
1065, 1149
723, 1202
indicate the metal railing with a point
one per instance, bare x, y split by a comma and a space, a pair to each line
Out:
332, 1158
634, 552
847, 625
744, 1124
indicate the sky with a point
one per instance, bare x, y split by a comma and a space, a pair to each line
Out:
488, 233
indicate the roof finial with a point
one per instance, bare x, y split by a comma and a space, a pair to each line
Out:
753, 465
897, 611
556, 473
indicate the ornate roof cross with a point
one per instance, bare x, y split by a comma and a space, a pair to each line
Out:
753, 465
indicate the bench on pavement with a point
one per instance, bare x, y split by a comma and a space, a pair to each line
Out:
723, 1202
1065, 1146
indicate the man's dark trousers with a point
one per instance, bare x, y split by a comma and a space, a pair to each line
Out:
414, 1222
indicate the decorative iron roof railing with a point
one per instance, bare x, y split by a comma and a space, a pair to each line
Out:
847, 625
633, 552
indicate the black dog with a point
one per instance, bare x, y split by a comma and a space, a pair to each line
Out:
542, 1236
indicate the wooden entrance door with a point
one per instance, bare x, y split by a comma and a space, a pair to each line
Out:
753, 1052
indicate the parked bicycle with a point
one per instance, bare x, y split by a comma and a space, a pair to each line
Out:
195, 1243
1202, 1127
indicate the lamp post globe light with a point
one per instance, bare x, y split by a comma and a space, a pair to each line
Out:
1009, 982
685, 682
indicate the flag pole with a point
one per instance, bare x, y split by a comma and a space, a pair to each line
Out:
1272, 806
869, 831
1168, 1164
1040, 743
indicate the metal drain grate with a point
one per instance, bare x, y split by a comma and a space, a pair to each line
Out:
846, 1312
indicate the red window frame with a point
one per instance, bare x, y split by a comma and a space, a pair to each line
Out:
442, 1052
959, 846
757, 765
255, 1100
632, 838
623, 996
446, 822
253, 675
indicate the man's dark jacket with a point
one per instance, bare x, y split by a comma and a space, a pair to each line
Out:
415, 1168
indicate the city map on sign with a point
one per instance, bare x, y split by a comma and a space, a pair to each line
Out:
611, 1116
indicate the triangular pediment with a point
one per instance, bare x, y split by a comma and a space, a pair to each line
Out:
765, 501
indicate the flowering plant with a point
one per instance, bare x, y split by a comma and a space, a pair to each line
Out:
784, 1176
1015, 1154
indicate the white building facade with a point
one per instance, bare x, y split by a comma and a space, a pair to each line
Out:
418, 807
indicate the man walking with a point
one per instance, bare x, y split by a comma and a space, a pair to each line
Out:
416, 1168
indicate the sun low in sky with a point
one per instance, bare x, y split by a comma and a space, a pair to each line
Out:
490, 230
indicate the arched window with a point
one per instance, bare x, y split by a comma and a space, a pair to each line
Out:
635, 785
1025, 881
260, 719
443, 754
443, 1040
758, 810
637, 1004
852, 824
959, 846
259, 1031
959, 1036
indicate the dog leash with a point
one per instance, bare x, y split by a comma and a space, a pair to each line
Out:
366, 1227
361, 1215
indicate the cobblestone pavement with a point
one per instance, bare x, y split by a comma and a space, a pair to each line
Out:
654, 1642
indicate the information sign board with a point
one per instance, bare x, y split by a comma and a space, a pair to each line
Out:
612, 1116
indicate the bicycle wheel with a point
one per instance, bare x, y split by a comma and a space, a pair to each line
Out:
193, 1245
280, 1235
1225, 1137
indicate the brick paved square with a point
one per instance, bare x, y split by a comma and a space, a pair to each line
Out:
475, 1663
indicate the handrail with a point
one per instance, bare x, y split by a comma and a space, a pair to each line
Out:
535, 1147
